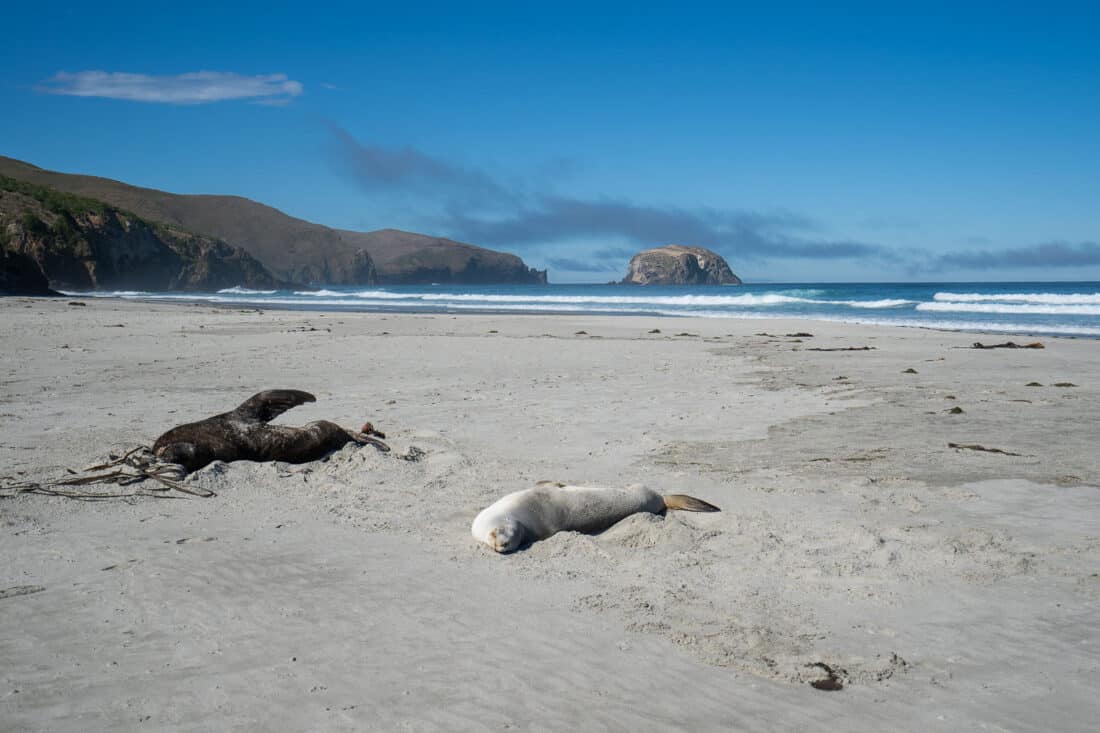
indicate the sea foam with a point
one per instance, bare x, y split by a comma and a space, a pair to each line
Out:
1038, 298
1015, 308
238, 290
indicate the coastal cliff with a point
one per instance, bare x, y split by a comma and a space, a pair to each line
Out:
676, 264
293, 249
77, 243
406, 258
20, 275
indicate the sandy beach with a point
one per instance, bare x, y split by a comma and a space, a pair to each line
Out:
948, 588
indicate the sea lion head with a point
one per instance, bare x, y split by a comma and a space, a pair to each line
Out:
182, 453
506, 536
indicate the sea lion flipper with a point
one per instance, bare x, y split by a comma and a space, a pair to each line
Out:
364, 439
267, 405
686, 503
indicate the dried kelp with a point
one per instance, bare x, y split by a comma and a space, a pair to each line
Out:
975, 446
137, 468
1008, 345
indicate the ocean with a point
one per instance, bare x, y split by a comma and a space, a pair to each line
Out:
1052, 308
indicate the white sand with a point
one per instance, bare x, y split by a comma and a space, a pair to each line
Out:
956, 589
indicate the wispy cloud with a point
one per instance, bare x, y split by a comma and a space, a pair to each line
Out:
408, 170
198, 87
1048, 254
477, 207
572, 264
749, 235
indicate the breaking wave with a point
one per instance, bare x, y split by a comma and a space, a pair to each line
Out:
238, 290
1016, 308
1037, 298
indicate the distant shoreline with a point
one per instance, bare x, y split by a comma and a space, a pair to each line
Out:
1022, 309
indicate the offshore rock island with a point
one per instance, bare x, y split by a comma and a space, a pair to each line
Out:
675, 264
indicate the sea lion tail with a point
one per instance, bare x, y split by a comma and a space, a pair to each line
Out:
686, 503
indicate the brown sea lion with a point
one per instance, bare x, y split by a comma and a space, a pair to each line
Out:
245, 435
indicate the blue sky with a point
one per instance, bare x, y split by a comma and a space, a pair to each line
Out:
836, 142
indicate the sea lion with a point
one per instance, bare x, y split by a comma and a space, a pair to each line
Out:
245, 435
534, 514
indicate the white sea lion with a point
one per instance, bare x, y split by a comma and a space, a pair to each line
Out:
550, 507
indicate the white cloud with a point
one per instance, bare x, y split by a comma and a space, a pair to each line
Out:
197, 87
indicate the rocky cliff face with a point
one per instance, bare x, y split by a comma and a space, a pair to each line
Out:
20, 275
675, 264
82, 244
